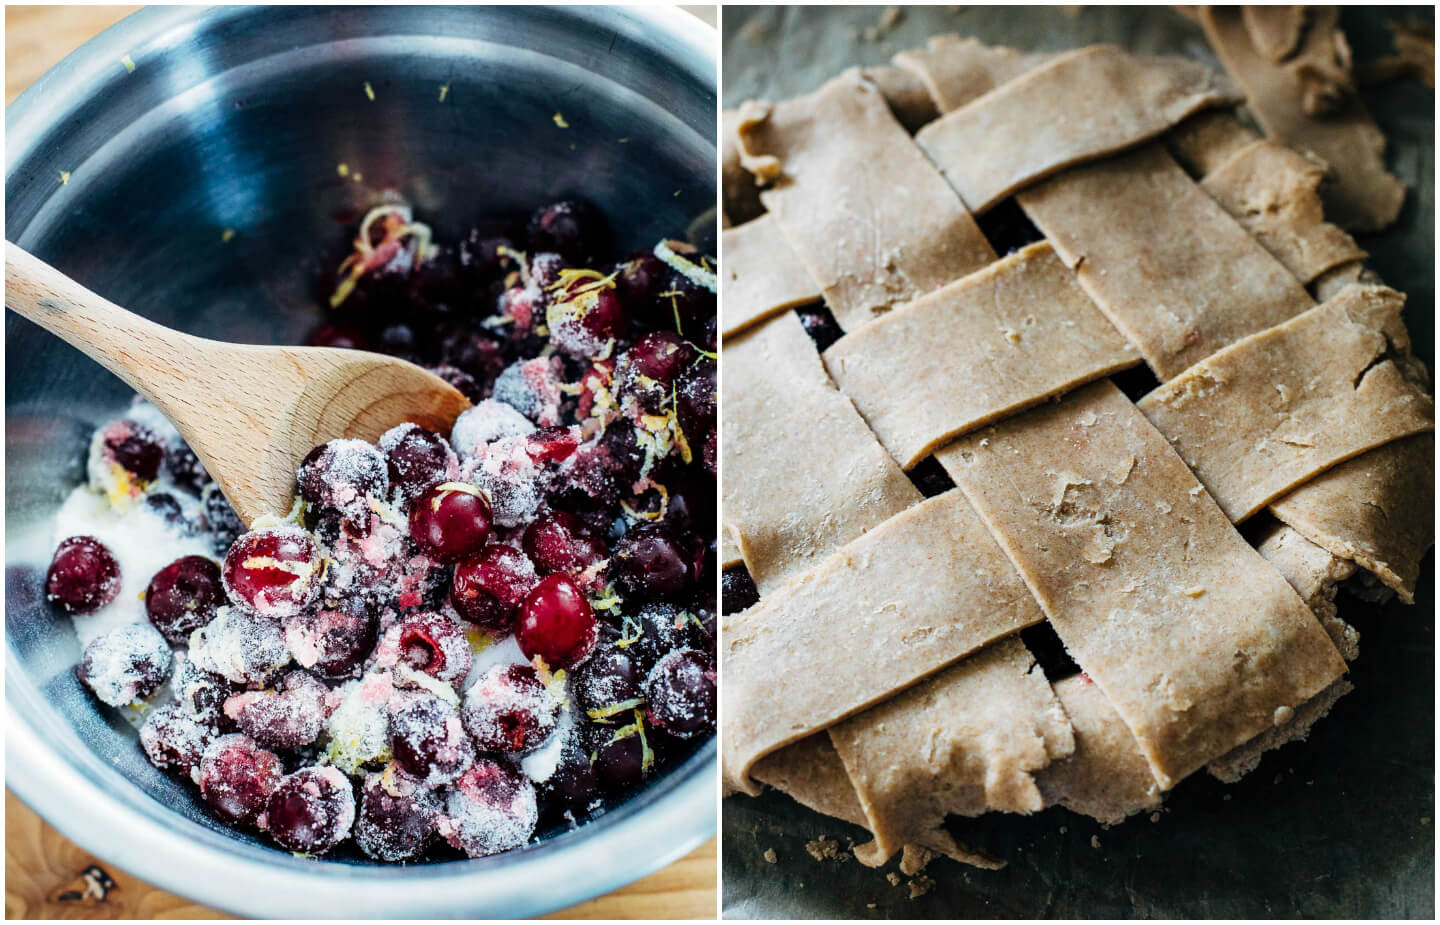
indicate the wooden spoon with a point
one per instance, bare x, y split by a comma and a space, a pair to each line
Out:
251, 413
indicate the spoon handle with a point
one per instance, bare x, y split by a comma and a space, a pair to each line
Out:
136, 349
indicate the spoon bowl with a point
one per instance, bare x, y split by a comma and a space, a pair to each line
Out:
251, 413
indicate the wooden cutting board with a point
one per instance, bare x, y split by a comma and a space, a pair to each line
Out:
49, 877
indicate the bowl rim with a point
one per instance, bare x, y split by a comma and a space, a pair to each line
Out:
558, 872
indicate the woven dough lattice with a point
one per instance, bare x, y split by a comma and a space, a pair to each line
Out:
881, 677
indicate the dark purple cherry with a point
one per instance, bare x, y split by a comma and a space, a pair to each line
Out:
680, 693
571, 227
183, 597
311, 810
83, 576
655, 561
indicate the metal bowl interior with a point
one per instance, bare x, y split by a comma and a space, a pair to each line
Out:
235, 120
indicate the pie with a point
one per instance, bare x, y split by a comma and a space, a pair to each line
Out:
1097, 357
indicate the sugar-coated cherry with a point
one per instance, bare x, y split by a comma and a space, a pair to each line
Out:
165, 506
584, 318
220, 519
273, 572
341, 476
185, 468
653, 560
680, 693
83, 575
487, 588
451, 520
698, 393
125, 664
290, 717
509, 711
572, 228
333, 642
559, 542
202, 694
428, 740
134, 447
237, 777
175, 741
417, 459
432, 644
311, 810
574, 785
661, 356
183, 596
608, 683
556, 623
491, 808
243, 648
395, 821
463, 382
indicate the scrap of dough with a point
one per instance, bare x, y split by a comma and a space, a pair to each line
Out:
1271, 190
1280, 407
913, 595
1376, 510
965, 741
867, 214
741, 195
1364, 196
998, 341
987, 153
810, 773
779, 407
1174, 272
1195, 639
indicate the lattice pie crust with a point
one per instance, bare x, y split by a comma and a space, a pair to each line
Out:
880, 678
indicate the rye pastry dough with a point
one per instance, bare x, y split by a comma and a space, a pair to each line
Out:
1191, 240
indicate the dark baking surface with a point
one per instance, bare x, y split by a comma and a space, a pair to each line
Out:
1340, 826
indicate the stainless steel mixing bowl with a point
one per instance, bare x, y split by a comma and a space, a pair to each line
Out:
236, 119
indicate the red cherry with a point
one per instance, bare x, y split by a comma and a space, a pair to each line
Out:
451, 520
558, 542
273, 572
556, 623
487, 588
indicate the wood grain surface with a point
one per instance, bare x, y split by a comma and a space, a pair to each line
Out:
46, 873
